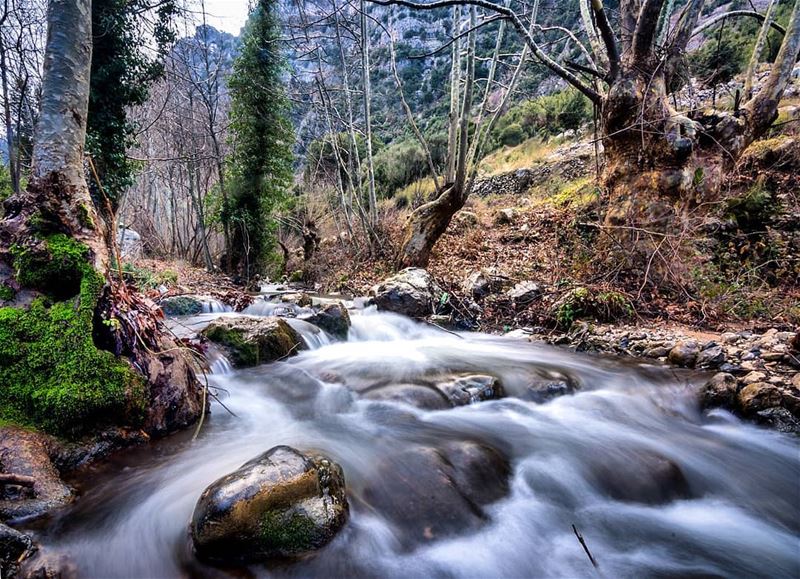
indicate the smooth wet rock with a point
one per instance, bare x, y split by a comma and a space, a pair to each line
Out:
429, 493
471, 389
684, 354
334, 319
181, 306
639, 477
252, 341
411, 292
417, 395
542, 389
719, 391
283, 503
27, 453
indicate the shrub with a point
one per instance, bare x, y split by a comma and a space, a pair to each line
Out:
512, 135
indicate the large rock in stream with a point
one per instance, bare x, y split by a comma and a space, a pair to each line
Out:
280, 504
333, 318
430, 493
252, 341
411, 292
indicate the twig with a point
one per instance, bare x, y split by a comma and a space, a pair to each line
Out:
585, 548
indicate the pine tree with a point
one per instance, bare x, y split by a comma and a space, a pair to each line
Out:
262, 136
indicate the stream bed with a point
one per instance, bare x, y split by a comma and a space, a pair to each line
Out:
581, 458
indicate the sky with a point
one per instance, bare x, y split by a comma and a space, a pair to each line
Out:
227, 15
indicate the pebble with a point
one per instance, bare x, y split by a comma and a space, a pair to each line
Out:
753, 377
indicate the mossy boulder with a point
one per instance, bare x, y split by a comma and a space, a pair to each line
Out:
334, 319
181, 306
252, 341
52, 375
283, 503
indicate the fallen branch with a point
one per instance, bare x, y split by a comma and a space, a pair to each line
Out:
17, 479
585, 548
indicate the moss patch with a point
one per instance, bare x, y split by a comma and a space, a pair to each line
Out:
52, 376
291, 532
54, 267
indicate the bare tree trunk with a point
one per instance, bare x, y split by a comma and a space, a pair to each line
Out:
455, 80
755, 57
57, 198
12, 152
428, 222
365, 67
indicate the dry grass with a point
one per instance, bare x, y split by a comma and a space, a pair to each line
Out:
522, 156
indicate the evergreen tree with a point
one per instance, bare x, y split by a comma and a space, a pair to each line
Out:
123, 69
261, 163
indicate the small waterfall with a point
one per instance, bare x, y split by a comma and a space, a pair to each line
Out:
213, 306
264, 307
313, 336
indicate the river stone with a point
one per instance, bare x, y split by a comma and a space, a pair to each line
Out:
753, 377
758, 396
334, 319
639, 477
779, 419
541, 390
719, 391
49, 564
684, 354
181, 306
252, 341
27, 453
712, 357
429, 493
280, 504
796, 380
411, 292
471, 389
417, 395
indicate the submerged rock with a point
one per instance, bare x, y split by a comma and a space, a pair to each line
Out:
456, 391
252, 341
334, 319
411, 292
280, 504
471, 389
430, 493
638, 477
417, 395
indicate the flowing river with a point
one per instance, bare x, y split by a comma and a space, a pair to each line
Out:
580, 458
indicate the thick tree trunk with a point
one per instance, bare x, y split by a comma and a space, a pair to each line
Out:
57, 199
426, 225
107, 361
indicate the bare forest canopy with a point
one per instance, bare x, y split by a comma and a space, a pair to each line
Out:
386, 105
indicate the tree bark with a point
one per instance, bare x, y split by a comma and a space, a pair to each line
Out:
57, 199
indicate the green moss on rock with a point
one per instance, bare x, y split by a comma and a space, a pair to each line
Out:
292, 532
54, 266
253, 341
52, 376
